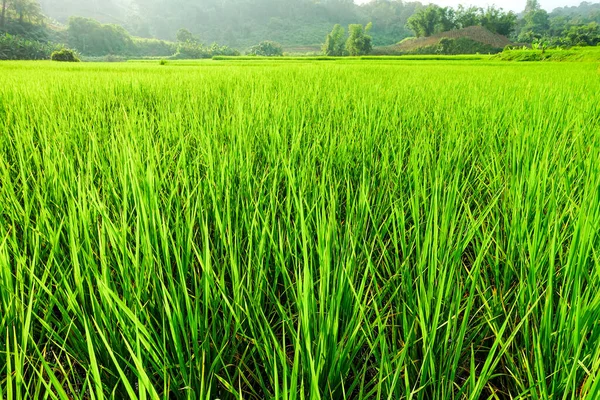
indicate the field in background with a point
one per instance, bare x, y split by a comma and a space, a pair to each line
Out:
575, 54
277, 230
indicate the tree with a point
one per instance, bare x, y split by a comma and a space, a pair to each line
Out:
92, 38
537, 25
432, 19
583, 35
423, 22
266, 49
498, 21
466, 17
334, 42
359, 41
3, 15
29, 9
24, 9
185, 36
532, 5
446, 19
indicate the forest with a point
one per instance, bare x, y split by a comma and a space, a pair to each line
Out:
149, 28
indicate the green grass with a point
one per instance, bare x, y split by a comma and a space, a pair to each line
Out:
575, 54
463, 57
358, 230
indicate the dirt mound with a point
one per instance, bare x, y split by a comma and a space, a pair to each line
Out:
476, 33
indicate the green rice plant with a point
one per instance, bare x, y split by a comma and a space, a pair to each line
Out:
355, 229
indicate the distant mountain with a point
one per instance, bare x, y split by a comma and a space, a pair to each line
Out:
242, 23
586, 11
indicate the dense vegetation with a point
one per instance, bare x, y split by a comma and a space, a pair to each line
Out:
579, 54
19, 48
244, 23
64, 55
358, 42
434, 19
354, 230
568, 26
148, 28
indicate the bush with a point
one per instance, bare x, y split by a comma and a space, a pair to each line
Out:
64, 55
27, 30
153, 48
448, 46
195, 51
267, 49
17, 48
92, 38
191, 51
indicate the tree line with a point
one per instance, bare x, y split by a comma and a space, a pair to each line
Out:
434, 19
300, 21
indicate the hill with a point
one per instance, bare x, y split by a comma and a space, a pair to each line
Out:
242, 23
474, 33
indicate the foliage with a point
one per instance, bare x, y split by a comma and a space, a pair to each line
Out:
185, 36
451, 46
92, 38
536, 24
17, 48
566, 27
373, 230
359, 41
266, 49
583, 35
20, 10
64, 55
433, 19
334, 42
389, 19
190, 51
575, 54
498, 21
27, 30
243, 23
152, 47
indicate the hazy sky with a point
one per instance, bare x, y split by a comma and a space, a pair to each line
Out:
515, 5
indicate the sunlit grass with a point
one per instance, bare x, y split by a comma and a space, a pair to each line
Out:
300, 230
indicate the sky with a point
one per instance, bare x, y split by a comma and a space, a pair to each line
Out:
514, 5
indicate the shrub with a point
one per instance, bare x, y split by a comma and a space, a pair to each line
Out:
65, 55
267, 49
91, 38
194, 51
446, 45
153, 48
449, 46
18, 48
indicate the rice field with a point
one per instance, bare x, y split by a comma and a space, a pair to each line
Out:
300, 230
